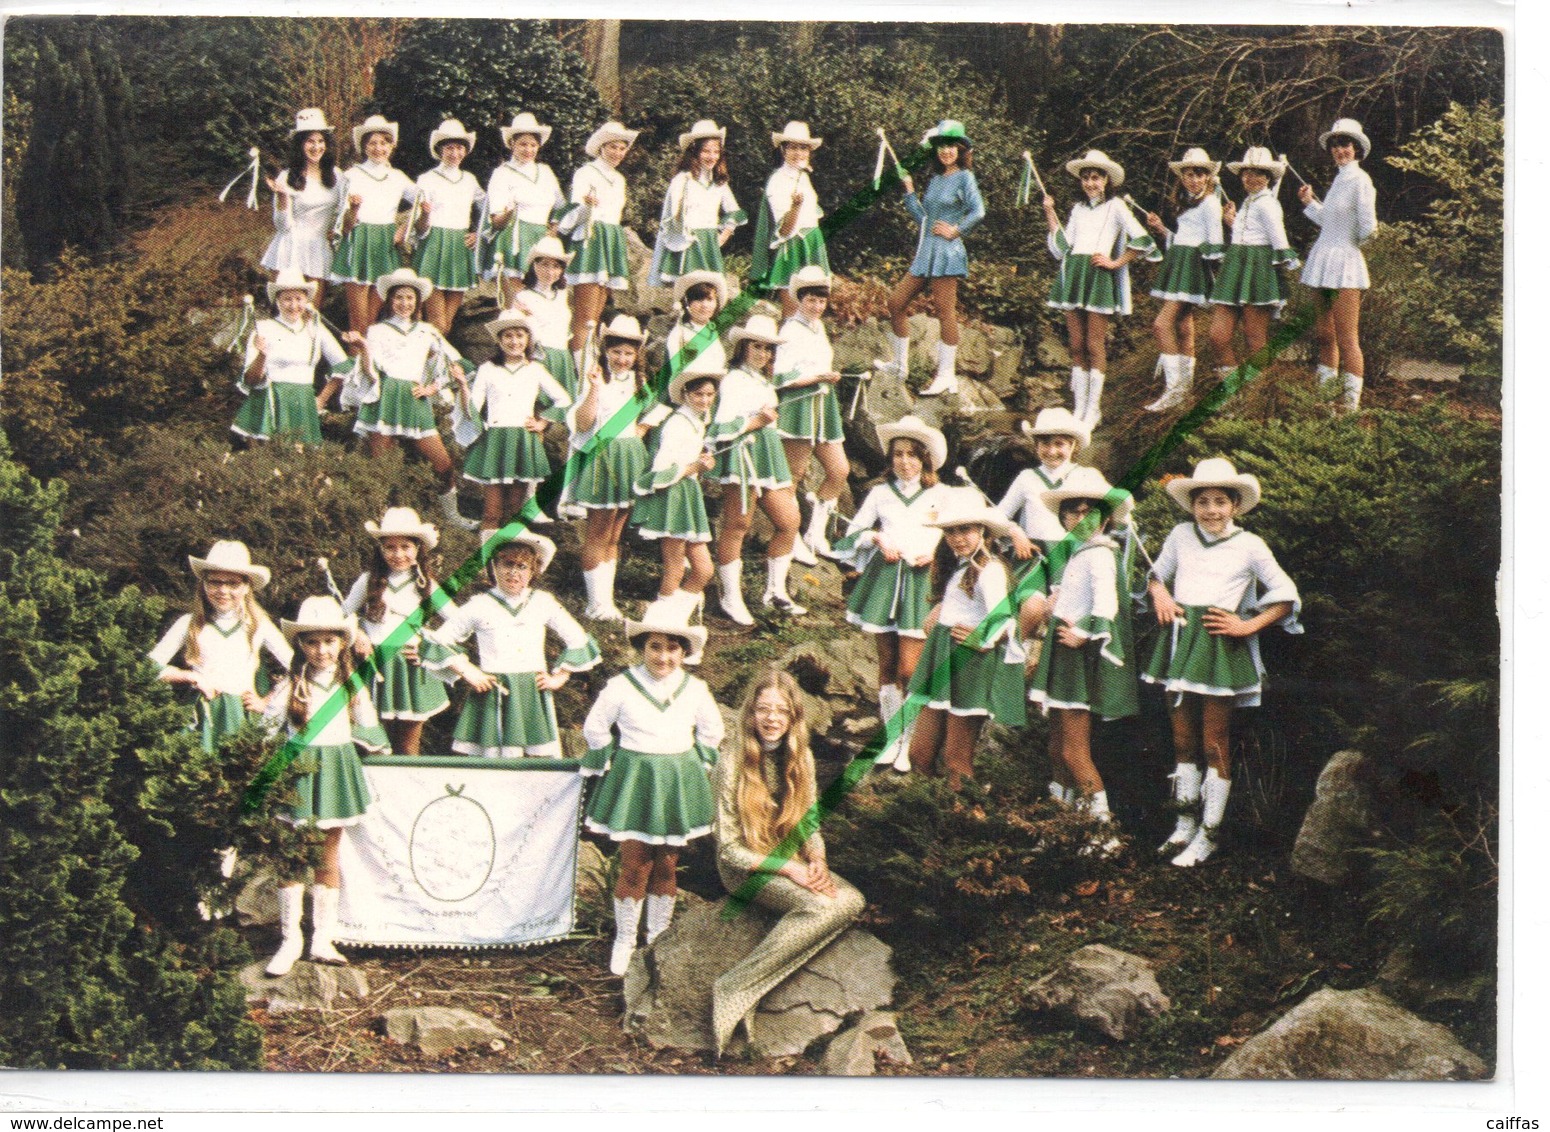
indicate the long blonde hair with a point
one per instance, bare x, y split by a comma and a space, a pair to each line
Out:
201, 613
766, 820
298, 708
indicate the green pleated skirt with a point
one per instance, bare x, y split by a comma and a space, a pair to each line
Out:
407, 691
444, 258
515, 244
602, 259
606, 476
1187, 658
1184, 277
658, 799
366, 254
217, 718
814, 418
333, 790
507, 455
702, 255
508, 724
965, 681
891, 597
1249, 278
677, 511
397, 412
1082, 680
792, 256
280, 410
1079, 286
757, 460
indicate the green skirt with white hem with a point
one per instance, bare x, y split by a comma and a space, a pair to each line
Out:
658, 799
516, 721
603, 259
965, 681
397, 412
506, 455
677, 511
814, 418
1081, 286
444, 257
1189, 658
281, 410
606, 476
332, 791
891, 597
407, 692
366, 254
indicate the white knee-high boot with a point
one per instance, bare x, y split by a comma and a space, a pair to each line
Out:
1167, 369
1186, 800
817, 535
1094, 413
626, 927
1214, 791
1351, 392
731, 579
889, 699
946, 379
449, 511
777, 570
601, 593
900, 364
659, 913
1328, 381
325, 918
1078, 393
291, 897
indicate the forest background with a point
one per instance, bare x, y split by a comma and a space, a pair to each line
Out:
119, 268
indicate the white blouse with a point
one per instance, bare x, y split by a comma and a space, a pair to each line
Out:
1235, 572
1346, 218
227, 658
1090, 584
742, 395
1102, 228
450, 198
400, 598
679, 444
691, 715
612, 396
550, 313
608, 184
1022, 503
711, 359
899, 512
805, 352
337, 731
990, 590
1200, 226
294, 351
508, 395
402, 350
511, 632
701, 202
783, 185
532, 189
1261, 223
384, 192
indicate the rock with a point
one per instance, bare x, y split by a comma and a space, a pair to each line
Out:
853, 1053
857, 347
1103, 987
436, 1030
591, 873
925, 337
308, 986
1005, 376
974, 355
257, 903
1416, 985
667, 990
844, 668
1355, 1035
1338, 820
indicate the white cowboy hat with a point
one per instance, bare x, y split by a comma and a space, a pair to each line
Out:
1260, 158
688, 376
310, 121
949, 131
1216, 472
403, 277
376, 124
1097, 159
291, 279
1061, 421
810, 276
717, 280
964, 506
1089, 483
1195, 158
230, 557
758, 328
318, 615
525, 123
607, 132
541, 546
625, 326
549, 247
700, 131
506, 320
1346, 127
403, 522
796, 132
657, 620
450, 130
913, 428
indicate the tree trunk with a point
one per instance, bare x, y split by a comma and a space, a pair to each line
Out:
600, 48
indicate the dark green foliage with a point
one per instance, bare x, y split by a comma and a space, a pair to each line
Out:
482, 72
94, 971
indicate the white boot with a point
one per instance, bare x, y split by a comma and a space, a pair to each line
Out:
1057, 793
1213, 808
946, 379
1188, 362
626, 928
1351, 393
901, 761
1078, 393
449, 511
889, 700
1101, 841
775, 595
1167, 368
1186, 800
802, 554
899, 365
817, 536
325, 918
589, 579
290, 896
1328, 382
1094, 397
659, 913
683, 605
731, 578
600, 592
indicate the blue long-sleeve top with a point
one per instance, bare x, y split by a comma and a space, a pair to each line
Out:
953, 198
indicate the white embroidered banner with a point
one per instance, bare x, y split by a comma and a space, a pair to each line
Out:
462, 852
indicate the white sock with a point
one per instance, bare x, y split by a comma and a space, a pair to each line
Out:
605, 581
1327, 377
1214, 792
659, 913
1351, 394
1094, 397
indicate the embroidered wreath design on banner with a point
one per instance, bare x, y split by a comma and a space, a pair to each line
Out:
452, 847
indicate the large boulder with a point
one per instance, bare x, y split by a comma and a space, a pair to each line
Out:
436, 1030
854, 1052
1338, 821
308, 986
1102, 987
667, 990
1355, 1035
836, 676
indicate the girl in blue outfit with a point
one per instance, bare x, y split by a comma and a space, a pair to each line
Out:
950, 207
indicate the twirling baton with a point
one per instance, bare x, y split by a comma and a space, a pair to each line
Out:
250, 170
